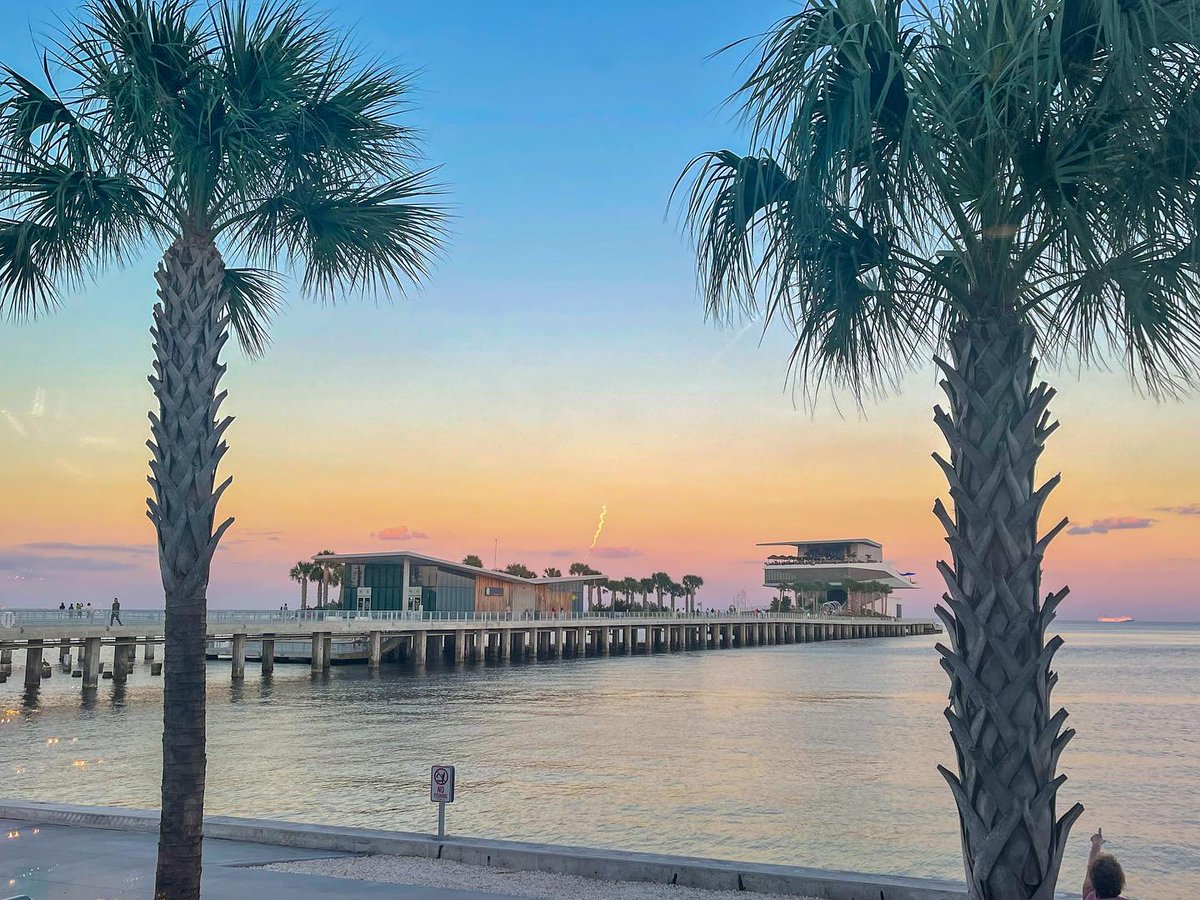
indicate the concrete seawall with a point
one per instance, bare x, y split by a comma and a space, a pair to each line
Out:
608, 865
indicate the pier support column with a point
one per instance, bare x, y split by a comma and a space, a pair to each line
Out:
561, 638
64, 651
327, 653
460, 646
318, 651
420, 648
33, 663
604, 640
627, 639
268, 654
238, 671
504, 645
481, 642
374, 649
91, 662
5, 662
581, 641
124, 655
148, 650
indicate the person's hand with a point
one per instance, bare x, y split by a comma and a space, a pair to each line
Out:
1098, 839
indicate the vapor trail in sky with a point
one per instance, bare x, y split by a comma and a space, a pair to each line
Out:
599, 527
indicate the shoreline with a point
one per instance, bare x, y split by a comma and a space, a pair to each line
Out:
549, 859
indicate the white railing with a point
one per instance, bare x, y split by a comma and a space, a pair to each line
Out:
130, 618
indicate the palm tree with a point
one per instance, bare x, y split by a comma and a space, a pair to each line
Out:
551, 572
629, 587
472, 560
661, 581
302, 572
691, 584
578, 568
674, 589
214, 132
645, 586
988, 182
323, 578
520, 570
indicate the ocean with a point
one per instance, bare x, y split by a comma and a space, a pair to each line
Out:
816, 754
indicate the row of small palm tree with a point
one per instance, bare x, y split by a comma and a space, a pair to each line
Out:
621, 591
245, 141
325, 575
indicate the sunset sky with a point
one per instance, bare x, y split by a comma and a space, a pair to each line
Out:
558, 361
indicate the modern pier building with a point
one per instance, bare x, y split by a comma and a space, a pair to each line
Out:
849, 575
413, 582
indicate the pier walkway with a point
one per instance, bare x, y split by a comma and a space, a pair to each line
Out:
411, 637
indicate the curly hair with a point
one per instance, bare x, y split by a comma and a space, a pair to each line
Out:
1108, 878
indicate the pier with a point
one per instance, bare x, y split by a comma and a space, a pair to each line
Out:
375, 637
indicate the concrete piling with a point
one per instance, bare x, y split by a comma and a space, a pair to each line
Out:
238, 668
268, 654
33, 663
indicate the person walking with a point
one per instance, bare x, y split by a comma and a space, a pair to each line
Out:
114, 614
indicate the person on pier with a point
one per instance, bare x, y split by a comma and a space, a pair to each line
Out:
114, 614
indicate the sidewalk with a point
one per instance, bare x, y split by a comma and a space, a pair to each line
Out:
55, 862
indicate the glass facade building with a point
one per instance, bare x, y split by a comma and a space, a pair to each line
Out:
376, 582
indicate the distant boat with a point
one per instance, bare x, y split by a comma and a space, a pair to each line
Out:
1115, 620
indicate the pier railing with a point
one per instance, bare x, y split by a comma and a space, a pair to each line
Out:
22, 618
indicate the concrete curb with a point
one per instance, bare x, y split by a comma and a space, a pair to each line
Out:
606, 865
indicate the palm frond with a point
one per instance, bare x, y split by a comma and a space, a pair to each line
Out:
28, 268
253, 297
349, 236
63, 222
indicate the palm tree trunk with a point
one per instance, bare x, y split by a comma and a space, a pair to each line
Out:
1006, 741
190, 328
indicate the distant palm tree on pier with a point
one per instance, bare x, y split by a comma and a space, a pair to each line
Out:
986, 182
216, 132
691, 584
303, 573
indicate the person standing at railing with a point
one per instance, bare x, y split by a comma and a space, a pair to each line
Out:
114, 614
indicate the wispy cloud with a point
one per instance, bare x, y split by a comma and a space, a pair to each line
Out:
14, 423
38, 408
70, 547
400, 533
33, 565
1192, 509
1113, 523
617, 552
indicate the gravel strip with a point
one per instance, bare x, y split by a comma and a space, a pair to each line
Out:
442, 873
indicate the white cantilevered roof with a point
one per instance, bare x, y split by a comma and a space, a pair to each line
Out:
820, 543
397, 557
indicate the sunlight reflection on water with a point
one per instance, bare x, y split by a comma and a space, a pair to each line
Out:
818, 755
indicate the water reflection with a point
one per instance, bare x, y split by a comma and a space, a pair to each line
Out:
820, 755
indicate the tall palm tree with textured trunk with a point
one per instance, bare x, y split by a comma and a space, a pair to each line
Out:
218, 133
984, 182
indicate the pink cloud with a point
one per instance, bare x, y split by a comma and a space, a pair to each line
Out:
1113, 523
400, 533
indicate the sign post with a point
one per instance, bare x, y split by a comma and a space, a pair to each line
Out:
441, 792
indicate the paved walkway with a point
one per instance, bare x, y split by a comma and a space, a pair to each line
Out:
53, 862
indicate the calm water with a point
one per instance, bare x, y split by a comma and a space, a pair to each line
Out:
815, 755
